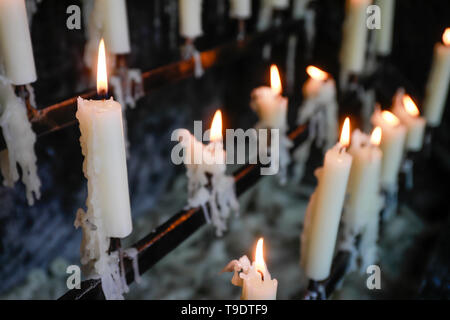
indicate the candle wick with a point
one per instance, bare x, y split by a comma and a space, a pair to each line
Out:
262, 274
342, 149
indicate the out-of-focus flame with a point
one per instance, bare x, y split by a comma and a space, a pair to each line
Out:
390, 118
410, 106
316, 73
345, 133
260, 264
216, 127
102, 74
446, 37
275, 80
375, 138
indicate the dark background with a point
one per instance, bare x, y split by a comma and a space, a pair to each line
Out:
31, 237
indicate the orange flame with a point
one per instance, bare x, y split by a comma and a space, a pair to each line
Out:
260, 264
375, 138
345, 133
390, 118
410, 106
275, 80
216, 127
446, 37
316, 73
102, 74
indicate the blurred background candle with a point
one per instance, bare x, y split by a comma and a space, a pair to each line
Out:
392, 146
384, 35
105, 166
280, 4
408, 113
190, 12
115, 26
324, 210
241, 9
438, 81
319, 82
15, 42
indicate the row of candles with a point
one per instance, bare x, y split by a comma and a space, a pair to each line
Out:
368, 164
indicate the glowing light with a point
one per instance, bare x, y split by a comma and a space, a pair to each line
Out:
275, 80
345, 133
316, 73
390, 118
410, 106
446, 37
102, 74
216, 127
375, 138
260, 264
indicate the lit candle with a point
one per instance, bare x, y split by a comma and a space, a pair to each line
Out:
254, 278
384, 35
318, 83
241, 9
364, 182
392, 146
324, 210
280, 4
408, 113
438, 81
105, 167
268, 102
354, 37
190, 12
115, 26
15, 43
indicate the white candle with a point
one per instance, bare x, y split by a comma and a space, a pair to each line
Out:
105, 166
115, 26
408, 113
241, 9
384, 35
15, 42
299, 8
265, 15
255, 279
364, 181
354, 37
268, 102
392, 146
190, 12
280, 4
318, 84
438, 81
325, 208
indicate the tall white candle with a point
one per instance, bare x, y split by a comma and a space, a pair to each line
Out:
280, 4
438, 82
384, 35
408, 113
354, 36
115, 26
299, 8
364, 181
105, 166
264, 15
15, 42
392, 146
325, 208
190, 13
241, 9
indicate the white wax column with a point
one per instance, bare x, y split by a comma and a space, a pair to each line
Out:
364, 181
299, 8
190, 12
265, 15
415, 126
437, 85
280, 4
241, 9
354, 37
392, 146
255, 288
270, 107
115, 26
15, 42
326, 208
384, 35
103, 147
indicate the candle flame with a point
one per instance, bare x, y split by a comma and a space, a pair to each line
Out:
390, 118
260, 264
375, 138
410, 106
446, 37
345, 133
275, 80
216, 127
316, 73
102, 75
